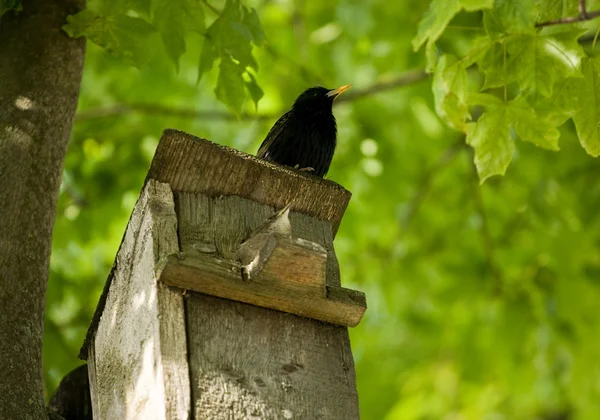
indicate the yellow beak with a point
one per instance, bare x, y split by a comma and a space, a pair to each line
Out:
337, 92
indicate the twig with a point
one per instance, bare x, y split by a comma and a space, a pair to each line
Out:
157, 109
408, 78
582, 17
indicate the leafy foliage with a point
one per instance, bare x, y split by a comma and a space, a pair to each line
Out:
517, 61
229, 38
482, 298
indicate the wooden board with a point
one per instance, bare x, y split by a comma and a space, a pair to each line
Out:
137, 353
221, 278
191, 164
248, 361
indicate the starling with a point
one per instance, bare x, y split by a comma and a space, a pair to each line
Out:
305, 136
255, 251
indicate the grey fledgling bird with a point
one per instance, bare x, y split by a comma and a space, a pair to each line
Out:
255, 251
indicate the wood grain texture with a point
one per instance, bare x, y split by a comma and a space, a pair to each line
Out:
138, 351
200, 216
191, 164
221, 278
250, 362
274, 365
299, 261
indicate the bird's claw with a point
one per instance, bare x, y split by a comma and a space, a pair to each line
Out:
307, 169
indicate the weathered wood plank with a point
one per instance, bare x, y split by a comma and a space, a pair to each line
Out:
274, 365
191, 164
198, 215
299, 261
221, 278
138, 366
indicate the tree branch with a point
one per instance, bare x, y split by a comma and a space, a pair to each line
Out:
157, 109
583, 16
407, 78
404, 79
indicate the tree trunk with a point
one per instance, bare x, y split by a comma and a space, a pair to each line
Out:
40, 73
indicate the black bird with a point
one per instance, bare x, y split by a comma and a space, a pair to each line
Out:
305, 136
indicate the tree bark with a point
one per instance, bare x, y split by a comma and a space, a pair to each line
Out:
40, 73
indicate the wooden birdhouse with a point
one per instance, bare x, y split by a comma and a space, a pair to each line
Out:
178, 334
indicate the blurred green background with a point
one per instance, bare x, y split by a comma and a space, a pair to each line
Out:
483, 300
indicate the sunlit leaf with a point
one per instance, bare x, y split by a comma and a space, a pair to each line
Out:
531, 128
510, 16
490, 138
587, 120
140, 6
450, 92
439, 14
539, 61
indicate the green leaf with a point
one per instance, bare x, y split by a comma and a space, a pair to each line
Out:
232, 36
230, 85
252, 22
535, 61
6, 5
256, 93
85, 21
531, 128
510, 17
475, 5
490, 138
437, 17
431, 55
539, 61
207, 58
562, 105
174, 20
555, 9
587, 120
494, 65
478, 49
450, 92
439, 14
140, 6
121, 35
484, 99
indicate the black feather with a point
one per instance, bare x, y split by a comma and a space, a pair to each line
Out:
306, 135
